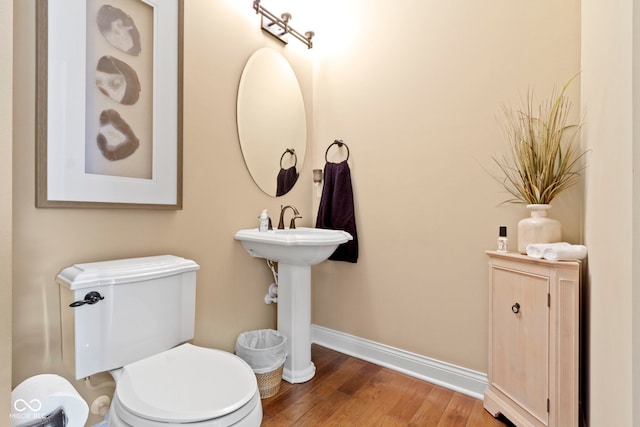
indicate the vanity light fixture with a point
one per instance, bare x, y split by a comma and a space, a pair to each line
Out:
279, 27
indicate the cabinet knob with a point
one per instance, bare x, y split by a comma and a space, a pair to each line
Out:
515, 308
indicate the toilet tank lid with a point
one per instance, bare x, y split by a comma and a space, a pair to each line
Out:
105, 273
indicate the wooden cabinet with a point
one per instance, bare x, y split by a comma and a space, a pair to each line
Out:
533, 340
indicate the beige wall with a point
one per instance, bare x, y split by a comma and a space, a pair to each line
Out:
219, 197
635, 283
416, 92
6, 91
608, 101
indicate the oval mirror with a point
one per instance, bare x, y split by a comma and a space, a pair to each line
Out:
271, 122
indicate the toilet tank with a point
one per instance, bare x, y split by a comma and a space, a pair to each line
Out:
147, 306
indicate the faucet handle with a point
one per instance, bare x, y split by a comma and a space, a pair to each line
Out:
292, 225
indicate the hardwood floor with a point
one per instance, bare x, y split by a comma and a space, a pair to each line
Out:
347, 391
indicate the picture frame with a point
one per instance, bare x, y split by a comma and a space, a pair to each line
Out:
109, 103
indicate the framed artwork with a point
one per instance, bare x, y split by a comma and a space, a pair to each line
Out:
109, 103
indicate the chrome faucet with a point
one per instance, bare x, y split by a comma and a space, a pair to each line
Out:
296, 215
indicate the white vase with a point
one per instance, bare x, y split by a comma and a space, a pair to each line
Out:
538, 228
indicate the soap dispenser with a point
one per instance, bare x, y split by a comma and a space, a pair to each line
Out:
264, 221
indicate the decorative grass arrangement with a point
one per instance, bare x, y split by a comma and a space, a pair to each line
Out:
544, 156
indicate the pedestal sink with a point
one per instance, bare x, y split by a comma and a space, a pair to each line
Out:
295, 251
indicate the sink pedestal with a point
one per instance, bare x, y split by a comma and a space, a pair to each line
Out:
295, 251
294, 321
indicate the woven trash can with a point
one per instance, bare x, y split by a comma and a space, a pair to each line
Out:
265, 350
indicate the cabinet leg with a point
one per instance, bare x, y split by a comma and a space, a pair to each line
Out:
491, 406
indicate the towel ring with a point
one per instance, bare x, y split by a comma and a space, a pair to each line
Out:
339, 143
293, 153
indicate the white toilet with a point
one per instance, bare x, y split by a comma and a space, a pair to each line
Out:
133, 317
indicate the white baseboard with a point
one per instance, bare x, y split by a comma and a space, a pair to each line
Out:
462, 380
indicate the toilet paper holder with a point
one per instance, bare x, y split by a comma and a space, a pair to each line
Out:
54, 419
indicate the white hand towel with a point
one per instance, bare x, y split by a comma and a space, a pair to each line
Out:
536, 250
565, 253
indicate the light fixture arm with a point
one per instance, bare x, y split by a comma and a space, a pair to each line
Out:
279, 27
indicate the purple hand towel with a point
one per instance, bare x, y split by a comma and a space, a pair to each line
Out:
285, 181
336, 209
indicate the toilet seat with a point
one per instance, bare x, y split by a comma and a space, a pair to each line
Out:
186, 384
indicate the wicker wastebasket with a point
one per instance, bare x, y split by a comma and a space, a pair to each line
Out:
265, 350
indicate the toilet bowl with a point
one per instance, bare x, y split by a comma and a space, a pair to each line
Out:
186, 384
134, 318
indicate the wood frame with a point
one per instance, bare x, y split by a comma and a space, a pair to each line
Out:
63, 80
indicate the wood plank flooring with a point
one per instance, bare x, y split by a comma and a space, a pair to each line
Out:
347, 391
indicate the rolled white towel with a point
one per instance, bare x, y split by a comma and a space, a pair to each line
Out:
536, 250
565, 253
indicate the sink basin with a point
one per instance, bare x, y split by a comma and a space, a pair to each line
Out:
298, 246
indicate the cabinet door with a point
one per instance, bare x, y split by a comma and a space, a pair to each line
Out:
520, 339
